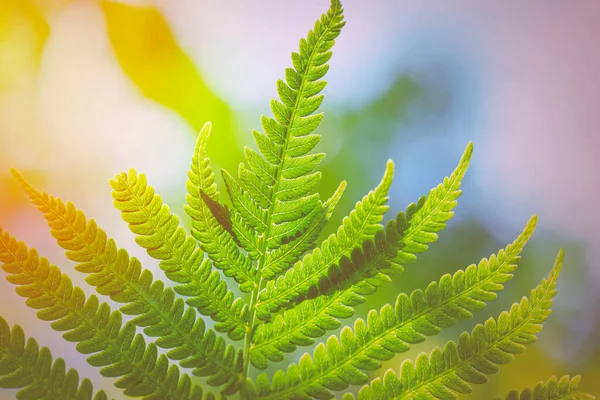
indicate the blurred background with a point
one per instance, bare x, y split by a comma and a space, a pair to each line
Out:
92, 88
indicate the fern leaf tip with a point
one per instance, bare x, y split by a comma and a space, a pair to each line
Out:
558, 264
202, 137
206, 127
27, 187
468, 150
17, 174
389, 171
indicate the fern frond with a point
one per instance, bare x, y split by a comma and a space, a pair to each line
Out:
112, 272
341, 360
99, 331
215, 240
565, 388
443, 373
31, 368
276, 193
160, 234
358, 227
363, 273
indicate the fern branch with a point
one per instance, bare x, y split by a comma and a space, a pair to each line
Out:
397, 245
565, 388
115, 274
358, 227
31, 368
443, 373
96, 328
216, 241
341, 361
160, 234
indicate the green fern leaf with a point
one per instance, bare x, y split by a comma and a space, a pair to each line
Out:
565, 388
341, 360
213, 238
363, 273
443, 373
24, 365
113, 273
360, 226
99, 331
251, 211
160, 234
275, 195
282, 258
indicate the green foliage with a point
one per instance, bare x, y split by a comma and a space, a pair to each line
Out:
290, 290
160, 234
25, 365
564, 388
450, 370
95, 328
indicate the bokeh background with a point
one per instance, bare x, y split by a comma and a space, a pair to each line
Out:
92, 88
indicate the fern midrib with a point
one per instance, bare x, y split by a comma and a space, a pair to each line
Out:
114, 346
278, 172
342, 250
365, 346
146, 297
52, 392
181, 260
525, 321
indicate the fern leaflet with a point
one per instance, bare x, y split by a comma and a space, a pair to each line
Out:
31, 368
113, 273
275, 195
341, 360
443, 373
159, 232
565, 388
95, 327
282, 258
212, 237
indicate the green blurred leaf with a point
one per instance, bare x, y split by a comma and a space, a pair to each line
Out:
150, 56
